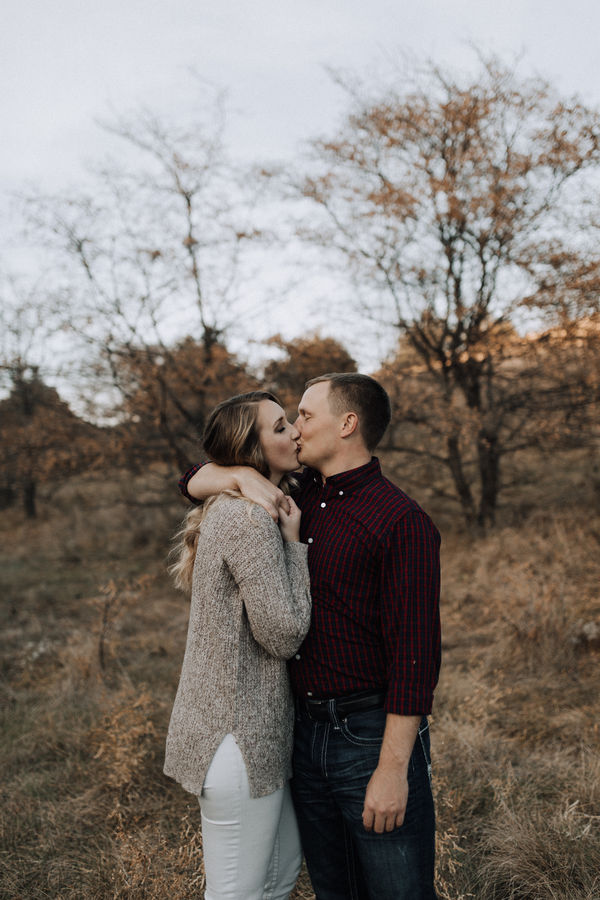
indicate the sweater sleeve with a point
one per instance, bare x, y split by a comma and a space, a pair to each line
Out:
272, 577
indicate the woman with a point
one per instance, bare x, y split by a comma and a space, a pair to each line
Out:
230, 734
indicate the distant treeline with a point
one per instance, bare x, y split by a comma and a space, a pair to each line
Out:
458, 215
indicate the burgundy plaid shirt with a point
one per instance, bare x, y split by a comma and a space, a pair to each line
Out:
375, 581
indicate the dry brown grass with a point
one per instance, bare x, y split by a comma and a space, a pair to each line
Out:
516, 725
93, 636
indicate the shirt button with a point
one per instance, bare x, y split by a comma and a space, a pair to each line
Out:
309, 693
310, 540
297, 656
341, 493
323, 505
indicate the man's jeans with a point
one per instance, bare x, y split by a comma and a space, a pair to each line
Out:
333, 762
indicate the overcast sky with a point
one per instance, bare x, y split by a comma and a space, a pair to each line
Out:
65, 64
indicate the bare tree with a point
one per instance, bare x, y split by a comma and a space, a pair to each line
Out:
465, 209
41, 439
154, 252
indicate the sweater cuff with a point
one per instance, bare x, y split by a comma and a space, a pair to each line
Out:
296, 550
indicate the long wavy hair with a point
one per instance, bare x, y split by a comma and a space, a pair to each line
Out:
230, 438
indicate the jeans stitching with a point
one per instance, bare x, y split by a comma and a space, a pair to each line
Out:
315, 792
351, 862
357, 741
427, 759
324, 749
313, 741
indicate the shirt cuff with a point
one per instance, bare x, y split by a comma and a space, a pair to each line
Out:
185, 479
403, 703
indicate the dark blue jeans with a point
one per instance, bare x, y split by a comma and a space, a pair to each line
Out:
333, 762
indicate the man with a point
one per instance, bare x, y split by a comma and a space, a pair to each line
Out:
365, 674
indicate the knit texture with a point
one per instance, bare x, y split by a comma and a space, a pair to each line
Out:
250, 610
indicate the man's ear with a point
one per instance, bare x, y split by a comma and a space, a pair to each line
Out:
349, 424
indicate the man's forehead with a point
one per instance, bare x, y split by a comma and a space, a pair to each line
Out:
314, 395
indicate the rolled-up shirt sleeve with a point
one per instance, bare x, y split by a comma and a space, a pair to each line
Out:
410, 614
185, 479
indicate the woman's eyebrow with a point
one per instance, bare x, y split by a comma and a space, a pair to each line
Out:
278, 422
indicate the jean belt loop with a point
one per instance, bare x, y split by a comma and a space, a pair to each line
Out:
321, 710
331, 706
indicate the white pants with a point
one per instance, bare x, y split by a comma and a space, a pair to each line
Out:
251, 845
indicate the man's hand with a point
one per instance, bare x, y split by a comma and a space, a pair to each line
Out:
214, 479
385, 800
387, 791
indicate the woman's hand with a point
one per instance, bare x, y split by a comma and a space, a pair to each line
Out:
212, 479
289, 521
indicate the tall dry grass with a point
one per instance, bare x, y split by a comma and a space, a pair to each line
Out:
516, 724
93, 636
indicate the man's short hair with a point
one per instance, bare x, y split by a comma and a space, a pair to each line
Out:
352, 392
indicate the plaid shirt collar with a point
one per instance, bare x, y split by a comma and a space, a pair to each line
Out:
351, 480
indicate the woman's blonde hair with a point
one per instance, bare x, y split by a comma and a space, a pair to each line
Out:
231, 438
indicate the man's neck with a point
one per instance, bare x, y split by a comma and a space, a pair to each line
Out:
344, 464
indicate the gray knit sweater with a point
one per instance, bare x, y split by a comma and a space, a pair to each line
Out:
250, 610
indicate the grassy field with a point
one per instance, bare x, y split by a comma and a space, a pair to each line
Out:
93, 636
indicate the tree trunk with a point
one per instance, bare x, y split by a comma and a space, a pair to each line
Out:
7, 497
166, 430
29, 499
489, 477
460, 482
